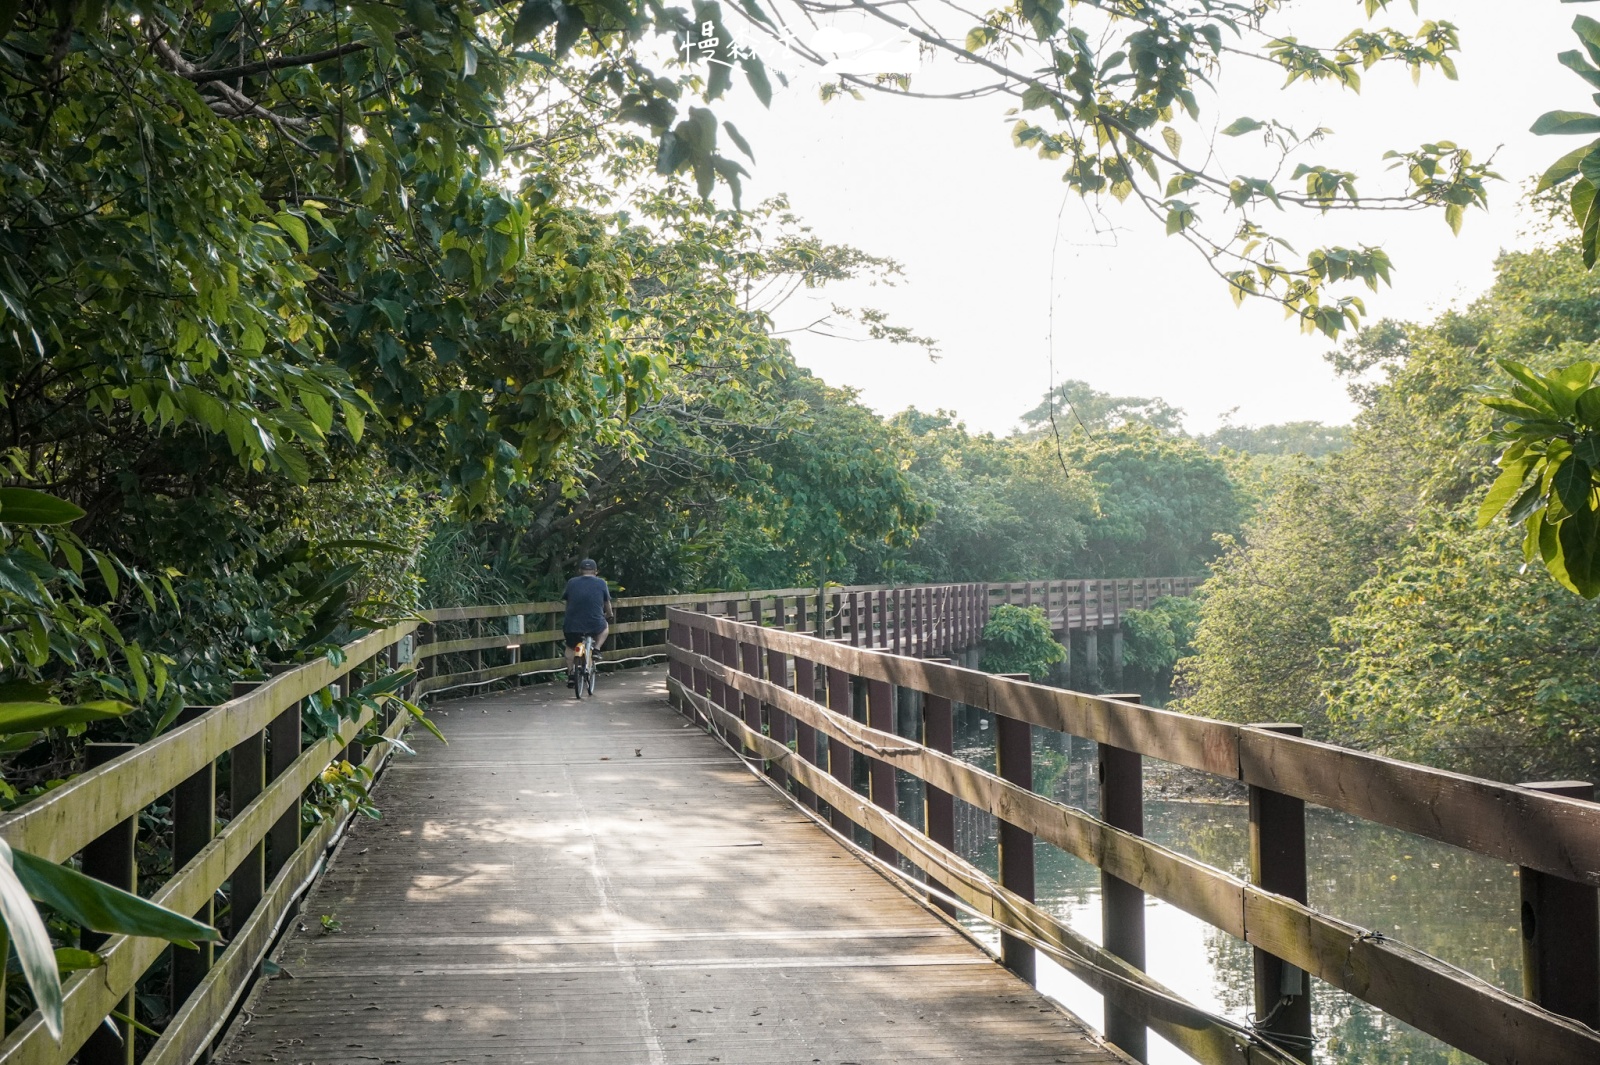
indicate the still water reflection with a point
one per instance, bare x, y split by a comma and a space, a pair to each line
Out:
1457, 906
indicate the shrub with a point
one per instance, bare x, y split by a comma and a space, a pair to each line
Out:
1018, 639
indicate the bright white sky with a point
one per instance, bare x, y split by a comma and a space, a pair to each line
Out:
938, 186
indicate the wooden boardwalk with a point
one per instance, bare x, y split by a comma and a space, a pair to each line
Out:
599, 882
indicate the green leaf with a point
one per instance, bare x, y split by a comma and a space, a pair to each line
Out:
108, 572
26, 506
104, 908
1503, 491
295, 226
30, 940
71, 959
1572, 483
1240, 126
1588, 31
1574, 61
18, 742
755, 72
416, 711
1565, 167
535, 17
29, 716
738, 139
1580, 552
1526, 504
1529, 379
1565, 123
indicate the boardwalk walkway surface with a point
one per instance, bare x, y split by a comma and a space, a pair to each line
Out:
596, 882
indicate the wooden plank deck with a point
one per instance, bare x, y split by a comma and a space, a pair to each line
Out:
596, 882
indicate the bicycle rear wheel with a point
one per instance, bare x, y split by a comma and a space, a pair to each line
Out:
589, 677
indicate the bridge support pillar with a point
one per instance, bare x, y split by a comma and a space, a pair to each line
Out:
1064, 667
1116, 657
1091, 659
1278, 864
1561, 932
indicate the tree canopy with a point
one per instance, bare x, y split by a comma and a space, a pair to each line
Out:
1362, 600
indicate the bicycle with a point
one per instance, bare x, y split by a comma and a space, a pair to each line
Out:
583, 668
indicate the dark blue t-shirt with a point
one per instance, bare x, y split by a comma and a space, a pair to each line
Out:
586, 598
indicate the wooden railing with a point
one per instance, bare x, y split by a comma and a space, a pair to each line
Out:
247, 759
766, 688
526, 637
1088, 604
264, 851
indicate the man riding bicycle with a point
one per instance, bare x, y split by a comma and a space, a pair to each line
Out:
588, 600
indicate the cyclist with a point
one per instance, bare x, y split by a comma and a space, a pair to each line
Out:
588, 600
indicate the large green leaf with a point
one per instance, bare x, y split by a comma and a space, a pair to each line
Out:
1572, 483
1580, 552
29, 716
1564, 123
104, 908
1503, 491
30, 940
27, 506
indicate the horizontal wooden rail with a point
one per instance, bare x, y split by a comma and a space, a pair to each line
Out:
1557, 835
925, 617
58, 823
63, 821
1189, 1029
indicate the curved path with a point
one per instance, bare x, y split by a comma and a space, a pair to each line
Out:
598, 882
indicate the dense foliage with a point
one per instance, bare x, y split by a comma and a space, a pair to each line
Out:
1017, 639
1363, 601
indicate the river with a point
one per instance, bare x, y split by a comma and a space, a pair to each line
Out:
1452, 904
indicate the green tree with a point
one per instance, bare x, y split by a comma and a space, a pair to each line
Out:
1076, 403
1312, 439
1156, 639
1359, 587
1018, 639
1453, 654
1163, 502
1003, 509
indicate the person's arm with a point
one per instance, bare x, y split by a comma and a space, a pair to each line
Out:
611, 614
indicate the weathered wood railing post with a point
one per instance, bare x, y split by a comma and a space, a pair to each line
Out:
730, 698
1013, 749
938, 806
840, 685
110, 858
750, 664
805, 684
1561, 932
885, 796
194, 823
283, 747
779, 725
675, 668
247, 776
1121, 904
699, 680
1278, 864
